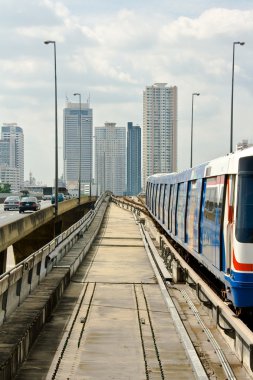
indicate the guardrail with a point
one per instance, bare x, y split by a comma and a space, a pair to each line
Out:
17, 283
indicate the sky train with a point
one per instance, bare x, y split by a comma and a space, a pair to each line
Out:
208, 210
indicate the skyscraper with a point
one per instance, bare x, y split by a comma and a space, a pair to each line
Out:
12, 156
71, 145
110, 158
133, 159
159, 129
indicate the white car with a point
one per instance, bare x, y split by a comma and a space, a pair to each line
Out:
11, 203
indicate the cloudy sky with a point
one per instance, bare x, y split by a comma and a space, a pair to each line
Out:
110, 50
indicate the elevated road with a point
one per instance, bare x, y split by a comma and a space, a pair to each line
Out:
33, 230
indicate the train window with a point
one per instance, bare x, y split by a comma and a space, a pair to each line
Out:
244, 220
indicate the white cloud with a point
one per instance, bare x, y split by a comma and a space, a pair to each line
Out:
113, 54
211, 23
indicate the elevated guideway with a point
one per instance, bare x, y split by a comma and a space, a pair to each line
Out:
116, 322
104, 312
31, 290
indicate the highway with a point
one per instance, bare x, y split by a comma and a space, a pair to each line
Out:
10, 216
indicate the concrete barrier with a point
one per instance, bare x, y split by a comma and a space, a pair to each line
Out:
17, 284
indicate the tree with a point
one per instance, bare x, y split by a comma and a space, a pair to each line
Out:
24, 192
5, 188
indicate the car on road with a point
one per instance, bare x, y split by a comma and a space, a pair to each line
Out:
60, 198
11, 203
29, 204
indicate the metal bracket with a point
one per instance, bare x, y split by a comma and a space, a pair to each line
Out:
205, 302
228, 331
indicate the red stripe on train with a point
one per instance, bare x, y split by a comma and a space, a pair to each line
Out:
240, 266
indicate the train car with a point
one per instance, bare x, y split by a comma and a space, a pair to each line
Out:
208, 210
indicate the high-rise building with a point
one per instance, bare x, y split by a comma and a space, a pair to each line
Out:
73, 140
159, 130
133, 159
243, 145
12, 156
110, 158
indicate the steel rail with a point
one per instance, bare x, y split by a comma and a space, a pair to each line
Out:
190, 350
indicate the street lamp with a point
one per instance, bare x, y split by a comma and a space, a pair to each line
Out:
80, 144
56, 129
232, 94
194, 94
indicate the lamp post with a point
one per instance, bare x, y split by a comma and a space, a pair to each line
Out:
194, 94
91, 158
56, 129
232, 94
80, 145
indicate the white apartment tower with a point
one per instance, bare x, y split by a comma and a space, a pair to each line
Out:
12, 156
110, 158
159, 130
77, 145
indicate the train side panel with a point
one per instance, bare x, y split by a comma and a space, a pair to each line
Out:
209, 211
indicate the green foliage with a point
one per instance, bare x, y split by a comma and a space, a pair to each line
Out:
24, 192
5, 188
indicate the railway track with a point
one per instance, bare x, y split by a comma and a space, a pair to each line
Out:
224, 320
123, 325
147, 330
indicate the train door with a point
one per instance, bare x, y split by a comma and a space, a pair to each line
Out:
152, 197
211, 220
163, 203
170, 207
166, 205
160, 208
147, 194
193, 214
229, 222
180, 211
174, 209
158, 187
156, 199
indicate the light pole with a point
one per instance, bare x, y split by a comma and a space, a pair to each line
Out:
80, 145
56, 129
232, 95
194, 94
91, 158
